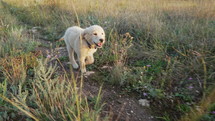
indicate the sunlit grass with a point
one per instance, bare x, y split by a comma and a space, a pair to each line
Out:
175, 37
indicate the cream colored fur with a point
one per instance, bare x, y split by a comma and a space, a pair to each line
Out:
76, 40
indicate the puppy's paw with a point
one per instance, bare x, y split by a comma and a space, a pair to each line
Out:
83, 71
75, 66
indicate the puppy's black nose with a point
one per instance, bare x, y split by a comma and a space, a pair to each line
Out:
101, 40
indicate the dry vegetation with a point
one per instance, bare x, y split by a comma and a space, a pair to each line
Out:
164, 49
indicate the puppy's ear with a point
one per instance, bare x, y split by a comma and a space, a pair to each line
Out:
85, 34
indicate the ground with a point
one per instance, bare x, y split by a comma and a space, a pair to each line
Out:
122, 107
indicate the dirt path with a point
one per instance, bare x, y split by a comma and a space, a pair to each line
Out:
121, 107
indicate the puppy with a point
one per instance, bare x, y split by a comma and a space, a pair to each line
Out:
84, 42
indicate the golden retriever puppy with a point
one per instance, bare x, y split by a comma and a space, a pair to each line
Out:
84, 42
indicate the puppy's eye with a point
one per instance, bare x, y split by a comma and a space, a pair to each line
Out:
102, 33
94, 33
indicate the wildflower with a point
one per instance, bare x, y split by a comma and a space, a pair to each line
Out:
190, 87
190, 78
48, 56
145, 94
213, 112
148, 65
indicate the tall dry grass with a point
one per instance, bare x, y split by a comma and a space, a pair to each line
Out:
174, 38
29, 86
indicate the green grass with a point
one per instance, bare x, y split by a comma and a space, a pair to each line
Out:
29, 86
168, 53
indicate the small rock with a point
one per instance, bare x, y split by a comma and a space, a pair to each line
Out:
144, 102
106, 67
88, 73
35, 29
68, 63
60, 48
128, 113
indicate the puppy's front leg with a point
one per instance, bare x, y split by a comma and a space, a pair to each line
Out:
71, 56
89, 60
82, 65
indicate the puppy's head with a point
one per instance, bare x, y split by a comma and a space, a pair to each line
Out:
95, 35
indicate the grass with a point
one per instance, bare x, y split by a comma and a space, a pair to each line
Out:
167, 54
30, 88
44, 97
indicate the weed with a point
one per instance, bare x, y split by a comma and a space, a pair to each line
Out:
172, 42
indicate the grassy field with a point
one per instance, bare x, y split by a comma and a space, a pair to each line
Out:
159, 50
